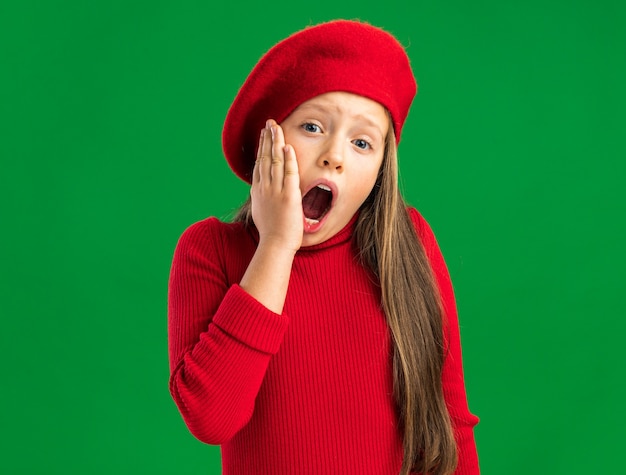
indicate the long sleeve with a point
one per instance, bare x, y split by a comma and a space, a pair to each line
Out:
220, 339
453, 380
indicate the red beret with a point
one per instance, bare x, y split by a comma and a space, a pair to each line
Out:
340, 55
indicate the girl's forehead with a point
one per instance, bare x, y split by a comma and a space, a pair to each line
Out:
347, 104
340, 99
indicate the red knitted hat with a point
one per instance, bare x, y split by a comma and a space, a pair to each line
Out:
340, 55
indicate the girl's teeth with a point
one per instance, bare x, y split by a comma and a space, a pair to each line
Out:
311, 221
323, 187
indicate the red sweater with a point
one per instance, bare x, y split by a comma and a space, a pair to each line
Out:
306, 392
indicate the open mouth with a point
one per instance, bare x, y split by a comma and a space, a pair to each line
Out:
316, 203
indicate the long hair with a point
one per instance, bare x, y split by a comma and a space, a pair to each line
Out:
389, 247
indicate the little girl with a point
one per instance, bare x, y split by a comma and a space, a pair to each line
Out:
318, 333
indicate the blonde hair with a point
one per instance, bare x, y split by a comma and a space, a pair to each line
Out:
389, 246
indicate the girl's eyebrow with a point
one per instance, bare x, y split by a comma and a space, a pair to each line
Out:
359, 117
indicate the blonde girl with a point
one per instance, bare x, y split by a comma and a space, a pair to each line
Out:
317, 333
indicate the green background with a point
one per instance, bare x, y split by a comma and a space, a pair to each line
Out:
110, 145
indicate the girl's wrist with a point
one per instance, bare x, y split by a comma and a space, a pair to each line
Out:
277, 249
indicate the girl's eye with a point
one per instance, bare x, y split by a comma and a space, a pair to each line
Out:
362, 144
313, 128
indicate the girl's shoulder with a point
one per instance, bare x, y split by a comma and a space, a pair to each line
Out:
213, 234
212, 226
422, 228
433, 252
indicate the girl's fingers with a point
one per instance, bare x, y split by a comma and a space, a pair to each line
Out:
256, 173
292, 178
275, 163
266, 158
278, 155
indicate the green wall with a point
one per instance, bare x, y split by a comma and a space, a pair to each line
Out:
111, 115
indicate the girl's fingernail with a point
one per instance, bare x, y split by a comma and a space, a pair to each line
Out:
273, 130
268, 123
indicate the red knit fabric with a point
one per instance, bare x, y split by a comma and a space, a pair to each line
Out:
306, 392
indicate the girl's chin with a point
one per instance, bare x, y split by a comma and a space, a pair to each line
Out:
309, 240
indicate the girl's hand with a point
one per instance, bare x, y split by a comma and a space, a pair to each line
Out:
275, 192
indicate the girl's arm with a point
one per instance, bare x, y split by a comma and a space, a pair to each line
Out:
453, 380
222, 338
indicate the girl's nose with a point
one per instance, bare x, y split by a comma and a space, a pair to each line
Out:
332, 157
